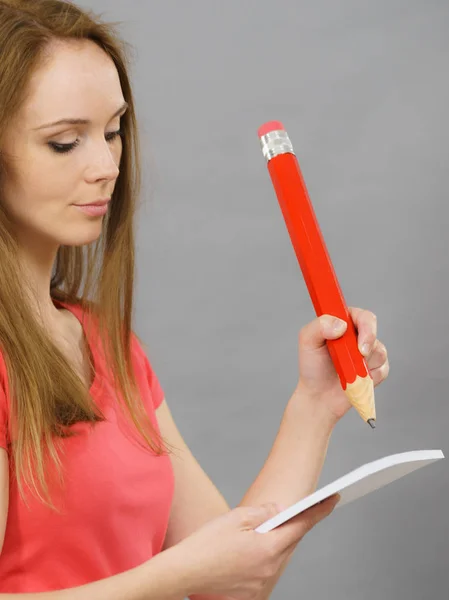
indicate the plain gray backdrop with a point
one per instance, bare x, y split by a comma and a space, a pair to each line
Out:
362, 88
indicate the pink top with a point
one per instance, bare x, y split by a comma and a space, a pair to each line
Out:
116, 502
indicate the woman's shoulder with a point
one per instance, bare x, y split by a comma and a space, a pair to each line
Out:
140, 355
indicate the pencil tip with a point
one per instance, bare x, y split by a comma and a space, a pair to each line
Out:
372, 423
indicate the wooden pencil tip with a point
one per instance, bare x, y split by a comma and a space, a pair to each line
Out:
372, 423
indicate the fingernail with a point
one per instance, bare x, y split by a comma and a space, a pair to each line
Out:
338, 325
365, 349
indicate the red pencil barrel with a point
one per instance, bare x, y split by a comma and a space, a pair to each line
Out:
315, 262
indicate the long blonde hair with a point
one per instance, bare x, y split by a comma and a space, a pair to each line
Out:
27, 27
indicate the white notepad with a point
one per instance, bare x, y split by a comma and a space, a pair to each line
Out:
358, 483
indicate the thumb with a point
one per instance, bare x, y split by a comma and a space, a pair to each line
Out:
256, 515
308, 519
320, 511
326, 327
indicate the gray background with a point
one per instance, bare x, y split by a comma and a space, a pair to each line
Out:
362, 88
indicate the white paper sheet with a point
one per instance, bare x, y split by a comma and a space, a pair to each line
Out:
358, 483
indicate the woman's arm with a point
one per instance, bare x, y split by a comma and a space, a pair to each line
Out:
296, 458
290, 472
294, 464
161, 578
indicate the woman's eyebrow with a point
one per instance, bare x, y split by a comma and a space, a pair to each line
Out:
121, 110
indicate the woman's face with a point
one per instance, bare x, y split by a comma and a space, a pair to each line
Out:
55, 167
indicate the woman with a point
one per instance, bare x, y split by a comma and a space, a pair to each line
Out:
99, 494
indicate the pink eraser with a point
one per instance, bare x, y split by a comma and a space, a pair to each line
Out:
270, 126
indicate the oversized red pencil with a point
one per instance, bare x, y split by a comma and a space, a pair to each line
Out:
316, 265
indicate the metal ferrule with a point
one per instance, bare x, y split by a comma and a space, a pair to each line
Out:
275, 143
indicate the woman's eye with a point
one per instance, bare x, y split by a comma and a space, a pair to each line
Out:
66, 148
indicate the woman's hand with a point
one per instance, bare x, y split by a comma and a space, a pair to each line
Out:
227, 557
318, 378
